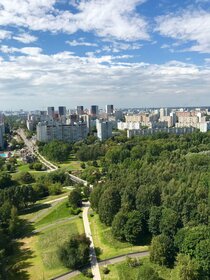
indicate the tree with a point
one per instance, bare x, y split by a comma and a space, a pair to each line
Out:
95, 196
202, 255
162, 250
147, 272
75, 252
118, 225
14, 223
26, 178
75, 198
168, 222
5, 180
188, 269
109, 205
154, 220
134, 228
57, 151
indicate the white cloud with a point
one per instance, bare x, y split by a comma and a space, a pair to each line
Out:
4, 34
76, 43
44, 79
31, 51
107, 18
115, 47
25, 38
189, 26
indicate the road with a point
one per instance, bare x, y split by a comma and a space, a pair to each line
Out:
114, 260
33, 149
93, 258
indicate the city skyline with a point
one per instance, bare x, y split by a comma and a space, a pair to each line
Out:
132, 53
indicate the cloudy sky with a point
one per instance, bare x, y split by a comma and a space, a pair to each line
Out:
131, 53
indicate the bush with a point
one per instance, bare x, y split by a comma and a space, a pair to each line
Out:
74, 253
105, 270
133, 262
88, 273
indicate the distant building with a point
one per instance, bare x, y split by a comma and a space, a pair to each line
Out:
109, 109
94, 110
170, 130
80, 110
62, 111
51, 111
104, 129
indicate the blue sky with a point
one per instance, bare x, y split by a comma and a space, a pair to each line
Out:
131, 53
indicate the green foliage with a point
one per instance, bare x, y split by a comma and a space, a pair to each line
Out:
188, 269
133, 262
75, 252
75, 199
154, 220
57, 151
147, 272
25, 178
95, 196
162, 250
55, 188
118, 225
90, 152
168, 222
5, 180
195, 242
134, 228
109, 205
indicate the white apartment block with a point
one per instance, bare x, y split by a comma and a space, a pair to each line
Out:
104, 129
150, 131
57, 131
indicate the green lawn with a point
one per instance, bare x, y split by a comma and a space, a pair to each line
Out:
70, 165
45, 263
23, 167
80, 277
111, 247
60, 211
65, 192
122, 271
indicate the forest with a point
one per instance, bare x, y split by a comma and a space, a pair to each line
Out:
156, 189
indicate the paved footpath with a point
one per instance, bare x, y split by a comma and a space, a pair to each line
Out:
114, 260
93, 258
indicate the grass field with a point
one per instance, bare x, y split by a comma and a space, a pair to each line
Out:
45, 263
110, 247
70, 165
80, 277
58, 212
40, 206
122, 271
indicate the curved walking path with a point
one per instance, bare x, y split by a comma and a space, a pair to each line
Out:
93, 258
113, 260
55, 223
44, 212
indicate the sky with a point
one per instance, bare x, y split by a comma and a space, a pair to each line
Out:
130, 53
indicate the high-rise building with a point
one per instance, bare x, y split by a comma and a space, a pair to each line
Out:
80, 110
94, 110
104, 129
62, 111
109, 109
51, 111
